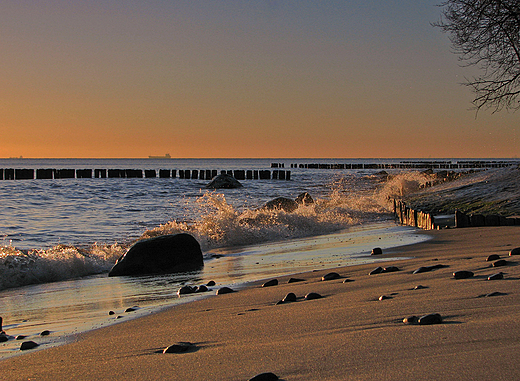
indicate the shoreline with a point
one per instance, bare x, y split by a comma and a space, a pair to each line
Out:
347, 334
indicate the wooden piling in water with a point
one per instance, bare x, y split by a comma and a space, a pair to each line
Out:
150, 173
83, 173
164, 173
64, 173
195, 174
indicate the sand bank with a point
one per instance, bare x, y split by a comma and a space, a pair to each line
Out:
349, 334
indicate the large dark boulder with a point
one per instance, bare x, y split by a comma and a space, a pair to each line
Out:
160, 255
224, 181
282, 203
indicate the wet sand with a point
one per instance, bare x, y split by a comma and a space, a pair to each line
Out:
348, 334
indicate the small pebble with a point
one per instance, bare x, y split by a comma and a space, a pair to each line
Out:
515, 251
348, 280
390, 269
211, 283
265, 377
500, 263
312, 296
462, 274
495, 293
178, 347
496, 276
20, 337
377, 270
330, 276
290, 297
131, 309
419, 287
3, 338
411, 320
45, 333
384, 297
185, 290
377, 251
430, 319
224, 290
270, 283
111, 313
28, 345
493, 257
202, 288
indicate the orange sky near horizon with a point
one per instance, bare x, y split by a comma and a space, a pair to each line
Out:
226, 79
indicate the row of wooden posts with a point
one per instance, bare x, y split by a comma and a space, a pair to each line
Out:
427, 221
207, 174
407, 165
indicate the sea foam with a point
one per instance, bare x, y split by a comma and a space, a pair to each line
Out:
216, 223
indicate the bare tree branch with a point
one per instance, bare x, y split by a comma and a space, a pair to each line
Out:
486, 34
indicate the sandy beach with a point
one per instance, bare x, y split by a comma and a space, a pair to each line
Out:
348, 334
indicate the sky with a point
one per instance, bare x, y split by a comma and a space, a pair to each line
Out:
238, 79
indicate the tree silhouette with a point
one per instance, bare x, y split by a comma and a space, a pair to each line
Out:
486, 34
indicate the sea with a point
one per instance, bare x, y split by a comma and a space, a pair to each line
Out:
60, 237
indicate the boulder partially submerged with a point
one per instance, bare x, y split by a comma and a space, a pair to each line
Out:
288, 205
224, 181
160, 255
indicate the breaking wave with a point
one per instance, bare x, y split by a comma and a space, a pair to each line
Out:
215, 223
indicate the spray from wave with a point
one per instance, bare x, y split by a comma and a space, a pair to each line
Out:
20, 268
350, 200
215, 223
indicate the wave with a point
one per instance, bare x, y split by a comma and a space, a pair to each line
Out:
215, 223
351, 200
21, 268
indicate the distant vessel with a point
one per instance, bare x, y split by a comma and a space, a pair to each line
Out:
167, 156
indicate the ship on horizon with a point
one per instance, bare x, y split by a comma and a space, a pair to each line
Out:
167, 156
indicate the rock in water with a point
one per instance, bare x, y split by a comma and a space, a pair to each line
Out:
160, 255
265, 377
281, 203
224, 181
28, 345
462, 274
304, 199
377, 251
185, 290
224, 290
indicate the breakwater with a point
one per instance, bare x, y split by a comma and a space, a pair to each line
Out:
426, 220
196, 174
447, 164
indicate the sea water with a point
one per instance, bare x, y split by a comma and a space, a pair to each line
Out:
59, 238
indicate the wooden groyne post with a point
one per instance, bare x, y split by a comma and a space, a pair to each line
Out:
407, 216
195, 174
